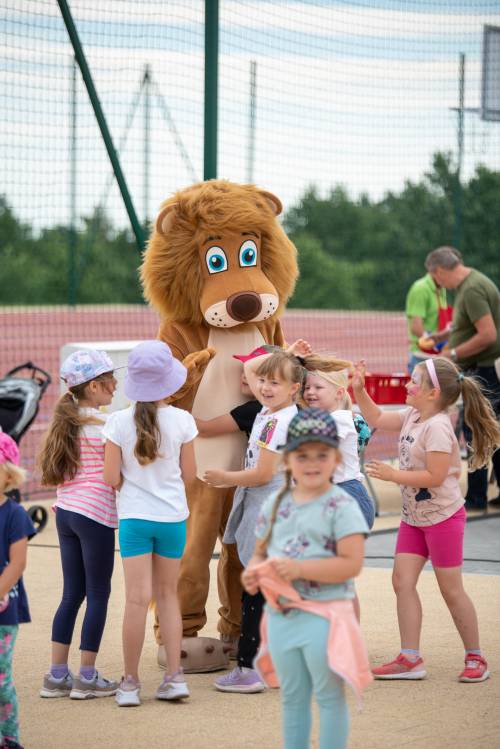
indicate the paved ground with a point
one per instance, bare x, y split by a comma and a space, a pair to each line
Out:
438, 713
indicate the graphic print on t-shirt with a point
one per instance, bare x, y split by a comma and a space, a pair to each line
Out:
267, 433
421, 505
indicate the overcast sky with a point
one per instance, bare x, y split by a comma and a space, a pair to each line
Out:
356, 93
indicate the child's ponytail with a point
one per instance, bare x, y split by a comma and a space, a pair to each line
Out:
147, 446
478, 412
481, 420
317, 362
60, 453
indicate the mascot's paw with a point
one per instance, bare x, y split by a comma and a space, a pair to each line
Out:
196, 364
230, 645
198, 655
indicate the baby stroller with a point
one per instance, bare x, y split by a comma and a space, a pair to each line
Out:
19, 402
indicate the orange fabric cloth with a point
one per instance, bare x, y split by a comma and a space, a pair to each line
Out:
346, 650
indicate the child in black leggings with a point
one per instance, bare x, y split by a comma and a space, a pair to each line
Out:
72, 459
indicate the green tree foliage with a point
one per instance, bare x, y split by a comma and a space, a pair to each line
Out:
359, 254
353, 253
36, 270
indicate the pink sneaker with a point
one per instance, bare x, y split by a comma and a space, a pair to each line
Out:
401, 668
476, 668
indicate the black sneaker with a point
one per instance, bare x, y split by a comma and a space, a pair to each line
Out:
494, 502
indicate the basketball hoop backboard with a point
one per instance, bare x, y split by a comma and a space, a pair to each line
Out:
490, 90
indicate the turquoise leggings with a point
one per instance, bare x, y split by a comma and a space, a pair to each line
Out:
8, 699
297, 643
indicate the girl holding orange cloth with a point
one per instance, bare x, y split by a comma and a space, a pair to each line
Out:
311, 535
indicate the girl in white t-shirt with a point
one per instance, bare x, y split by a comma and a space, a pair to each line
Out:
328, 390
277, 381
149, 455
434, 517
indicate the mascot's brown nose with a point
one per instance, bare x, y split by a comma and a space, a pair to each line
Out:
244, 306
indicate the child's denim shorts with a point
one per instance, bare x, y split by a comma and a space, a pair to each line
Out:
357, 490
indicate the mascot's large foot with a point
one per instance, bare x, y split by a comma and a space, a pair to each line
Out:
198, 655
230, 645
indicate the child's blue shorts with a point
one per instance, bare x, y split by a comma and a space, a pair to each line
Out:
151, 537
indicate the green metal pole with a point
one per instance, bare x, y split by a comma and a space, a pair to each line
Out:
72, 194
457, 232
211, 88
101, 121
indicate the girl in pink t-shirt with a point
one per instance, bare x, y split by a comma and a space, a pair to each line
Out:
434, 517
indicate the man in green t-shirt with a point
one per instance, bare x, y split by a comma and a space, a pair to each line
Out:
423, 301
474, 344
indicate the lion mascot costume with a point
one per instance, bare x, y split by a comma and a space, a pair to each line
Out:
219, 269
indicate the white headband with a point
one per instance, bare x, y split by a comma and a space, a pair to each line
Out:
432, 373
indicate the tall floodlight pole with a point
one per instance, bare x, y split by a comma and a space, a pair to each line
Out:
72, 192
251, 121
211, 88
147, 140
460, 152
457, 231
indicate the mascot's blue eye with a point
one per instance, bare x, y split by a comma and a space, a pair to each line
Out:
248, 254
216, 260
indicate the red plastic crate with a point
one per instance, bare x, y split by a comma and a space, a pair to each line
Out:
386, 389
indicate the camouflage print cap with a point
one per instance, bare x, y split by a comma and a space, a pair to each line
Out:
311, 425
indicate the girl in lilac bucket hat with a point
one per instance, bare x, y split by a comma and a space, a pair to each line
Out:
149, 455
72, 459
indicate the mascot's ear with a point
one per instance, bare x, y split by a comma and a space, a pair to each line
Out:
273, 202
166, 219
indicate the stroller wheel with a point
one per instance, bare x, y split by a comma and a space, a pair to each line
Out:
39, 516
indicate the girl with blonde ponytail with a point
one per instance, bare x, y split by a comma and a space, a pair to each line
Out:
72, 459
326, 387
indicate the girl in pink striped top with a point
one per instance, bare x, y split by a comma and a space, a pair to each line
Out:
72, 459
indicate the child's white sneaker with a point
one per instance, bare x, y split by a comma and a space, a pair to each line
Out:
173, 687
128, 693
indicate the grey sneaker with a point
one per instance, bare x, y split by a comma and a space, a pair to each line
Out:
243, 680
128, 693
173, 687
85, 689
53, 687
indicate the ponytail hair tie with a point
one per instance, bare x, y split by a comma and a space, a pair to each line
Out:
301, 360
460, 377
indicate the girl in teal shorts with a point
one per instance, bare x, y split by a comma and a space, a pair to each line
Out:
149, 454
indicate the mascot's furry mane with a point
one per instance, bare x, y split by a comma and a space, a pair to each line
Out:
170, 271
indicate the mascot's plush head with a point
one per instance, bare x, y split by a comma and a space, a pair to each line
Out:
218, 255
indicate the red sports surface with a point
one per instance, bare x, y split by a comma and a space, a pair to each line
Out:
37, 334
